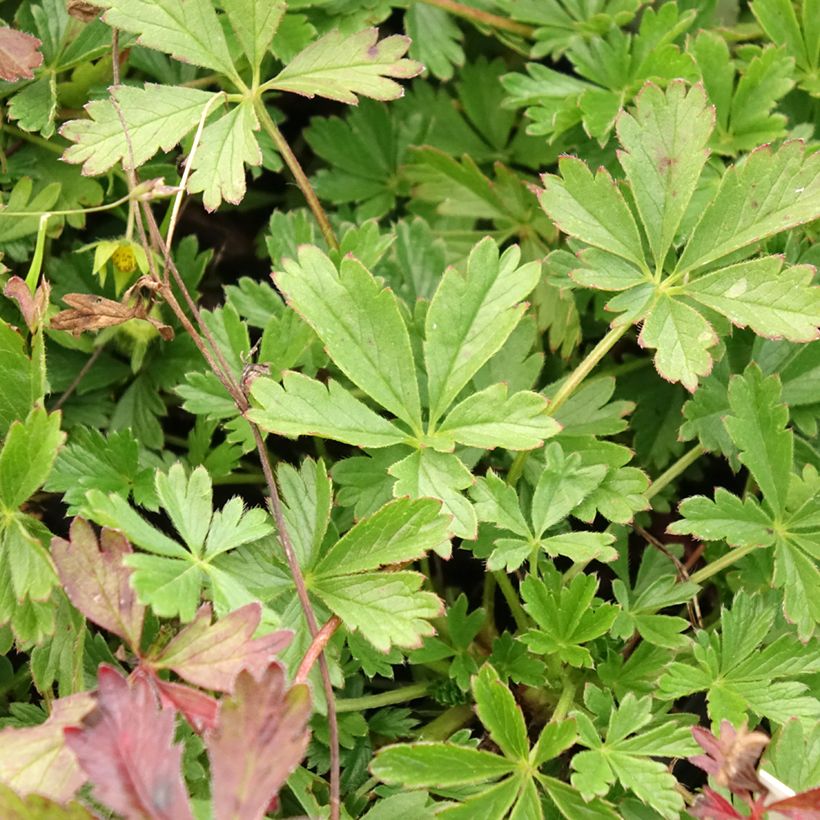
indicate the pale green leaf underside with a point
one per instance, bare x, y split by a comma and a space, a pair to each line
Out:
255, 25
340, 66
157, 118
189, 31
302, 406
227, 145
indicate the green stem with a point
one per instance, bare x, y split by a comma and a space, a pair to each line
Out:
71, 211
722, 563
489, 632
484, 18
676, 469
33, 139
239, 478
568, 387
401, 695
511, 597
447, 723
299, 175
565, 701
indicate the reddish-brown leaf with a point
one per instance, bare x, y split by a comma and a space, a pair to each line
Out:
261, 738
199, 709
33, 307
18, 55
212, 655
125, 746
732, 757
35, 760
97, 581
712, 806
803, 806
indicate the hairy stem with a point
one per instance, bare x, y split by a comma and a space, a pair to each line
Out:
676, 469
401, 695
484, 18
568, 387
719, 564
299, 175
447, 723
565, 701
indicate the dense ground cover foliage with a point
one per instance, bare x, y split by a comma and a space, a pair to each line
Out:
409, 421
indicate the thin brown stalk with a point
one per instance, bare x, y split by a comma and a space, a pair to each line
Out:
298, 173
69, 391
216, 361
484, 18
316, 648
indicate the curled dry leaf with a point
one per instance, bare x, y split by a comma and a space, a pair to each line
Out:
33, 307
125, 746
19, 55
91, 312
82, 10
732, 757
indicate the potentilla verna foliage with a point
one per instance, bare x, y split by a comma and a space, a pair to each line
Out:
443, 442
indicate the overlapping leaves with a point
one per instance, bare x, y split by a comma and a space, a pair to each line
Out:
157, 117
365, 333
694, 267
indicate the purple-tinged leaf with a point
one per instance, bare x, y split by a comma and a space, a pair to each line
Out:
125, 746
97, 581
212, 655
261, 738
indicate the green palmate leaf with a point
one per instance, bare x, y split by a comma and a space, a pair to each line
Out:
189, 31
592, 209
255, 25
757, 426
441, 475
27, 456
387, 608
171, 577
490, 419
682, 338
339, 67
470, 318
497, 502
566, 617
400, 531
35, 106
360, 325
23, 199
773, 302
624, 756
769, 192
664, 152
301, 406
156, 116
219, 166
741, 674
581, 546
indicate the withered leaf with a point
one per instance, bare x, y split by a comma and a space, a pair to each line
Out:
33, 307
92, 312
18, 55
